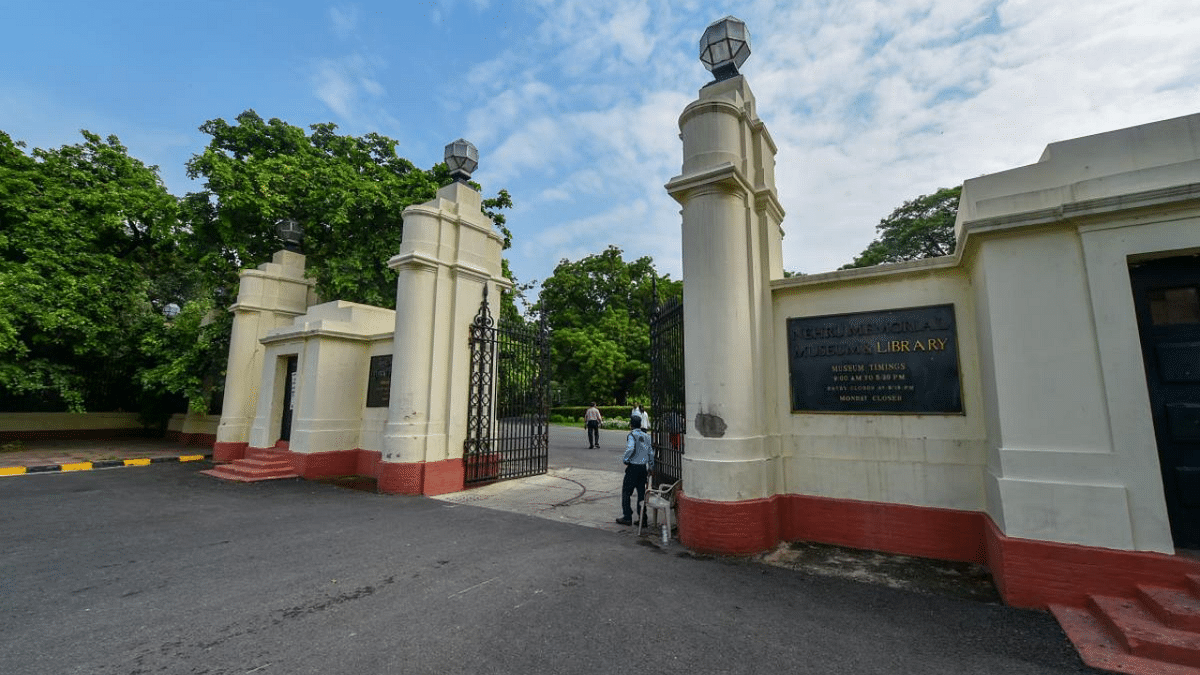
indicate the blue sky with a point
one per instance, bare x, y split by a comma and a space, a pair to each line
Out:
573, 104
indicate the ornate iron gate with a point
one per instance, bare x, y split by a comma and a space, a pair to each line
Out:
508, 430
666, 391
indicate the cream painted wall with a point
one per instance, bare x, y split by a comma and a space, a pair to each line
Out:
375, 419
1056, 441
1073, 457
333, 342
920, 460
14, 422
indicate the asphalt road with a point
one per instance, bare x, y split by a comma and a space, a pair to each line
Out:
161, 570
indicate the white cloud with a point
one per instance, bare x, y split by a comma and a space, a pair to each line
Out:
871, 103
345, 84
344, 21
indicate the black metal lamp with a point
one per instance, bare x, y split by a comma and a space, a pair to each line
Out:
292, 234
462, 159
724, 47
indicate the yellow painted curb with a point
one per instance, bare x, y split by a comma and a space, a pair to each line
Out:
80, 466
12, 470
137, 462
191, 458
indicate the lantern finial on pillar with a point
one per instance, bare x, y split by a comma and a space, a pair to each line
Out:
462, 159
724, 47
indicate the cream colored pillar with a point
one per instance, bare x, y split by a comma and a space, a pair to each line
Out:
268, 297
731, 249
449, 252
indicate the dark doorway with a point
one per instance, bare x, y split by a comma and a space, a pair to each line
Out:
289, 397
1167, 296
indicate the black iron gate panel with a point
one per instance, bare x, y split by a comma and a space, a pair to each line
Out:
508, 430
666, 391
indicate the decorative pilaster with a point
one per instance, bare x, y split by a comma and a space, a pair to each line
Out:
268, 297
449, 252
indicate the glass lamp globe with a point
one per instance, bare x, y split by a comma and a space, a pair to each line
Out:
725, 47
291, 232
462, 159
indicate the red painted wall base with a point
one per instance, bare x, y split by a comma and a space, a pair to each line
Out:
1027, 573
415, 478
227, 452
421, 478
1032, 573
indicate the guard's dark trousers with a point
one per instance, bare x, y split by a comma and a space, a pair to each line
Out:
635, 479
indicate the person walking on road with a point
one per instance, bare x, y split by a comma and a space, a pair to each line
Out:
593, 418
639, 461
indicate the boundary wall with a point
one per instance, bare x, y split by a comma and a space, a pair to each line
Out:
1050, 473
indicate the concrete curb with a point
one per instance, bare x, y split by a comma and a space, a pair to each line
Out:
101, 464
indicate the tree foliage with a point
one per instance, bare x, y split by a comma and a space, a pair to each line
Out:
348, 193
920, 228
599, 310
89, 256
93, 249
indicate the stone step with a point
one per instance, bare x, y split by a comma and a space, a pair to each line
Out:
1100, 648
1175, 608
1142, 634
227, 472
263, 463
266, 453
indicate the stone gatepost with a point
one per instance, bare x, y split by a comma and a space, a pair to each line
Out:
269, 297
731, 251
450, 251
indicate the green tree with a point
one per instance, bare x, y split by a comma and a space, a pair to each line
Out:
348, 193
920, 228
93, 249
598, 309
89, 258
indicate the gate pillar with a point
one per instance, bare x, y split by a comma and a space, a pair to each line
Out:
449, 251
269, 297
732, 244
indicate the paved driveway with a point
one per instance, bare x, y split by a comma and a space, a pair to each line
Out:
161, 570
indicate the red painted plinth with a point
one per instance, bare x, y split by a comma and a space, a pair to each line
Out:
356, 462
443, 477
736, 528
228, 452
197, 440
924, 532
420, 478
1027, 573
1035, 574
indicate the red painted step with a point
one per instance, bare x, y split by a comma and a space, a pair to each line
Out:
1099, 648
258, 464
1175, 608
1143, 634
